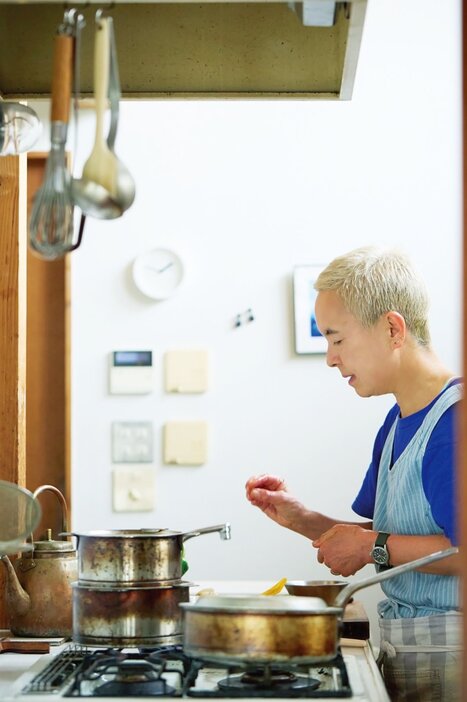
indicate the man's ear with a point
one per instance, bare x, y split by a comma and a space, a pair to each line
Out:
397, 328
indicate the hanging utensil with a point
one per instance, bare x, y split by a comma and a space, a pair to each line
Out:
51, 226
106, 188
21, 514
20, 128
125, 184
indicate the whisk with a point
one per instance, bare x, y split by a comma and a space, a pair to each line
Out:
51, 225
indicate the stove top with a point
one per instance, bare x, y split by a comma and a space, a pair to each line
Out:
166, 671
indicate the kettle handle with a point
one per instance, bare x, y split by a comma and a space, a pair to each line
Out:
51, 488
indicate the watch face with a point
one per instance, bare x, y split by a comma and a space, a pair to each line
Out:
157, 273
380, 555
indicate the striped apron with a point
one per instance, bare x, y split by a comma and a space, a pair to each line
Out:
420, 626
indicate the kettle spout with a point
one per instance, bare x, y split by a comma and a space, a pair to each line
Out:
18, 600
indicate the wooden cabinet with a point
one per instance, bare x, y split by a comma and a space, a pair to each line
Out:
34, 350
47, 370
179, 49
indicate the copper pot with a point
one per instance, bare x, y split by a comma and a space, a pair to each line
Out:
128, 616
258, 629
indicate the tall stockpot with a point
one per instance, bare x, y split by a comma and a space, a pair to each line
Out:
141, 615
135, 556
281, 629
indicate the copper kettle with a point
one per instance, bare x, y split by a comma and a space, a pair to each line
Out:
38, 585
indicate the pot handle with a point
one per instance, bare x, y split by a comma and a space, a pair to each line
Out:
70, 533
345, 594
223, 529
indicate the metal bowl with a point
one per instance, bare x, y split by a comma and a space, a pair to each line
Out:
327, 590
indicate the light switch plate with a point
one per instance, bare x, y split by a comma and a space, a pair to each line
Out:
133, 489
130, 373
185, 443
132, 442
186, 371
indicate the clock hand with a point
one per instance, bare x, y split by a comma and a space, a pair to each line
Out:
160, 270
167, 265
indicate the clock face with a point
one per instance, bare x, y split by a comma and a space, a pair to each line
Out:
157, 273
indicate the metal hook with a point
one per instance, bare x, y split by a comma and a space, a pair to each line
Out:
100, 13
243, 317
73, 21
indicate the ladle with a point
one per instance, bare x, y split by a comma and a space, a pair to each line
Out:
106, 189
20, 128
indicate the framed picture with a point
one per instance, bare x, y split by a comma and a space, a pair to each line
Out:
308, 338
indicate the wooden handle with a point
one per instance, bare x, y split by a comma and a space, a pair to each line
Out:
101, 74
61, 78
24, 647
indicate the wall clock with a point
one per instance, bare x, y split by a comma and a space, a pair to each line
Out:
158, 273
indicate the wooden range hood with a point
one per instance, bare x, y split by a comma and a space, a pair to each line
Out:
192, 49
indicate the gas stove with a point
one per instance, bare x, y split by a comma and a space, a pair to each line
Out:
166, 671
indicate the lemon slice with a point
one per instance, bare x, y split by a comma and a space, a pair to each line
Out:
276, 588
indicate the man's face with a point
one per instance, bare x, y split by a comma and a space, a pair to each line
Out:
361, 354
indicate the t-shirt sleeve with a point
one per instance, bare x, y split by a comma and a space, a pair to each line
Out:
439, 474
364, 503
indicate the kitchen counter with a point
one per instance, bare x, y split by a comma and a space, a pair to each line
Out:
365, 679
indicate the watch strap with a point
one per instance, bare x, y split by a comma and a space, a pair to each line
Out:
381, 538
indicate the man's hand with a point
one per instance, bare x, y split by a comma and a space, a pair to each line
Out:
345, 548
269, 493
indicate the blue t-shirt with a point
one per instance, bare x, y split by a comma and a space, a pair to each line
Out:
438, 467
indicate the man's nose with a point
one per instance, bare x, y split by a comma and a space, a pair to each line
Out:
331, 357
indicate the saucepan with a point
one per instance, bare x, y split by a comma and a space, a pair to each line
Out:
281, 630
135, 556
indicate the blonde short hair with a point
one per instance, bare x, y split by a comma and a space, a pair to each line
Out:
372, 281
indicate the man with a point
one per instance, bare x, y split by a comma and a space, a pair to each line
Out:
372, 309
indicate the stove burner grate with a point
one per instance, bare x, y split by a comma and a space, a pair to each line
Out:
294, 681
81, 672
113, 673
268, 678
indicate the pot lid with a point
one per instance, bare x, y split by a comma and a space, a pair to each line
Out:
261, 604
131, 533
50, 546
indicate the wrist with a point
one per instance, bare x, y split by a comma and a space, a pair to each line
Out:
368, 545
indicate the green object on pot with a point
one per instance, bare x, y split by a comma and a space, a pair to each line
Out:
184, 562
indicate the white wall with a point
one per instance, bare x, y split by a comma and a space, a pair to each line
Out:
245, 190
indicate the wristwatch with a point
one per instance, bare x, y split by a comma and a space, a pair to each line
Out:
379, 552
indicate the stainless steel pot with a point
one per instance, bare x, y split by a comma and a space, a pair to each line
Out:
135, 556
129, 616
286, 628
326, 590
